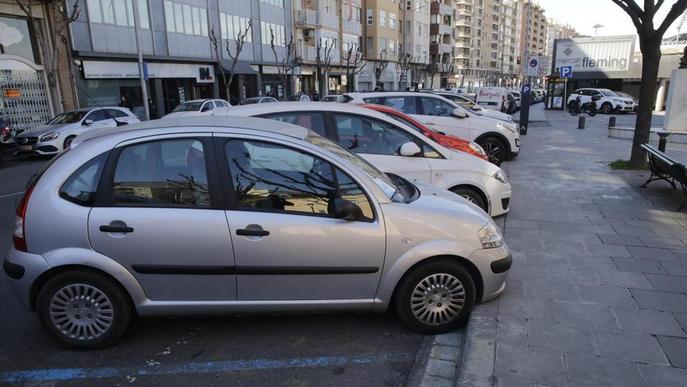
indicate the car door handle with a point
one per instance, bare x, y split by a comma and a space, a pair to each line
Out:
252, 230
116, 226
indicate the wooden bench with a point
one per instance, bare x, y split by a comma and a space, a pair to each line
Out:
664, 168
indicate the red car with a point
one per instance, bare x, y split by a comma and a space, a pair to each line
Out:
448, 141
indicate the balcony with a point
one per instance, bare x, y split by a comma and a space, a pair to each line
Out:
352, 27
306, 53
440, 29
464, 2
462, 43
463, 21
313, 19
440, 48
462, 54
441, 9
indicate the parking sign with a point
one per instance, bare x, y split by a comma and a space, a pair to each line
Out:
566, 71
533, 67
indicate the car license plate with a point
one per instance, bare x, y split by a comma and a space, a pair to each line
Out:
25, 147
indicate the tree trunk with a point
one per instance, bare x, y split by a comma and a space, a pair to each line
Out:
651, 57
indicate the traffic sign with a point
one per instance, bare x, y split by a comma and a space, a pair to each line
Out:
566, 71
533, 67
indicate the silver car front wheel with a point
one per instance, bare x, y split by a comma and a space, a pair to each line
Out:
437, 299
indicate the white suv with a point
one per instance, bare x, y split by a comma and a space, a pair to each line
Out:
393, 147
609, 101
500, 139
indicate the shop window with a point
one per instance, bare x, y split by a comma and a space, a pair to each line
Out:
16, 38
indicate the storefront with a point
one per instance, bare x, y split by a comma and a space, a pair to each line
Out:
110, 83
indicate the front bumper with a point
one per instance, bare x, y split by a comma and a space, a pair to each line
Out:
493, 282
499, 197
624, 108
40, 148
22, 270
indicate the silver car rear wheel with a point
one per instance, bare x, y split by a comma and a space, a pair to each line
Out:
438, 299
81, 312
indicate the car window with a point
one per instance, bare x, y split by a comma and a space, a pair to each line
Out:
275, 177
374, 100
81, 186
364, 135
97, 115
462, 102
68, 118
162, 173
435, 107
404, 104
116, 113
310, 120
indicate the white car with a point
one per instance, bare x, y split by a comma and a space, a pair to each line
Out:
517, 98
473, 107
193, 107
58, 133
608, 101
396, 148
500, 139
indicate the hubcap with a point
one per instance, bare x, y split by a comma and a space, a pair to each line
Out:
81, 312
468, 198
493, 150
437, 299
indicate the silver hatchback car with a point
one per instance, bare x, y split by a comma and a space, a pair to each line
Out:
207, 215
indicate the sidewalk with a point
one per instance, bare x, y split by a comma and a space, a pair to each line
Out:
597, 295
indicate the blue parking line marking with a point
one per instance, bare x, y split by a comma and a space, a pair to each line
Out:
55, 374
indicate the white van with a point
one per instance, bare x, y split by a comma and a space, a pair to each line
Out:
492, 98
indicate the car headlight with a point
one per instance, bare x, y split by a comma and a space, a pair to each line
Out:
477, 148
618, 100
490, 236
49, 136
501, 176
508, 126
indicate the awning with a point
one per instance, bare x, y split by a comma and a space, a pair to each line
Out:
240, 68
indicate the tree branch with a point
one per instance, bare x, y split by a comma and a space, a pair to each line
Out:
675, 11
633, 10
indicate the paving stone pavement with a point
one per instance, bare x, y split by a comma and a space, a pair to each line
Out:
597, 295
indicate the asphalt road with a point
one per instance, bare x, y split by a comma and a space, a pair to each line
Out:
340, 349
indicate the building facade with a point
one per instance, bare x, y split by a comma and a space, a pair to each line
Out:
532, 32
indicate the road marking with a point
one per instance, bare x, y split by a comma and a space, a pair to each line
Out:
11, 195
52, 374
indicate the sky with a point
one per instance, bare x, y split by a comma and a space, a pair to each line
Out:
584, 14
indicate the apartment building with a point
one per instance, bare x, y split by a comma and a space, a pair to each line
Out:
532, 32
441, 47
415, 39
555, 31
381, 42
508, 43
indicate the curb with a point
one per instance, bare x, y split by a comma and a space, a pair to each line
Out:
437, 363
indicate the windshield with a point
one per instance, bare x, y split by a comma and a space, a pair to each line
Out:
188, 106
68, 118
608, 93
412, 125
250, 101
383, 181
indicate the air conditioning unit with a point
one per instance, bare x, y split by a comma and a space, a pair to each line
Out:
308, 34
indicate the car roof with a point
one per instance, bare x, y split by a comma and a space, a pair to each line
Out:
201, 123
279, 107
88, 109
391, 93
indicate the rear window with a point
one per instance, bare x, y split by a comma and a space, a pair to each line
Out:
82, 185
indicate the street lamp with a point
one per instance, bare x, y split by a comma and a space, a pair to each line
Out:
596, 27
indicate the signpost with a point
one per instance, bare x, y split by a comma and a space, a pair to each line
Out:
533, 66
565, 72
524, 107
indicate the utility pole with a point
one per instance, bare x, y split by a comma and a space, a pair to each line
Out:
596, 27
526, 87
139, 49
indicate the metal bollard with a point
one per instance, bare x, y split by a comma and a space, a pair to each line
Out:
662, 141
581, 122
611, 122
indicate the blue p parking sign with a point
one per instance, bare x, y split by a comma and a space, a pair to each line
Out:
566, 71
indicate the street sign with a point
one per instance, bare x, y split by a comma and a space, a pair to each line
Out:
533, 66
566, 71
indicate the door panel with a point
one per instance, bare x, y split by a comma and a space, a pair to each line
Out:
288, 244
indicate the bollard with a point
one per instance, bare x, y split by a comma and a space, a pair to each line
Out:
581, 122
611, 122
662, 140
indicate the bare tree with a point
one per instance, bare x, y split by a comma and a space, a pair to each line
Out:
431, 70
287, 63
405, 63
323, 61
379, 66
445, 70
650, 39
50, 53
233, 55
354, 65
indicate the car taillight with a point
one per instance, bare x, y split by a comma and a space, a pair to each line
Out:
5, 133
19, 236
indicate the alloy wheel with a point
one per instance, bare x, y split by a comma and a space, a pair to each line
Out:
81, 312
437, 299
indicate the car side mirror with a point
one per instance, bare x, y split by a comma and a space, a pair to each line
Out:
344, 209
409, 149
459, 113
87, 122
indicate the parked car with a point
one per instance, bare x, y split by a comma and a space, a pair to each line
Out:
333, 98
501, 140
348, 236
517, 98
635, 101
393, 147
203, 106
7, 143
298, 98
261, 99
607, 100
466, 103
451, 142
58, 133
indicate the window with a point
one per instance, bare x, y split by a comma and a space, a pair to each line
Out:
188, 22
120, 12
310, 120
94, 15
406, 105
370, 16
81, 187
179, 18
116, 113
392, 21
169, 16
97, 115
203, 22
370, 45
143, 17
277, 178
162, 173
363, 135
108, 11
382, 18
196, 21
435, 107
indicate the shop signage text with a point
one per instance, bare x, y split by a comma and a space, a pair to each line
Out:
129, 70
601, 54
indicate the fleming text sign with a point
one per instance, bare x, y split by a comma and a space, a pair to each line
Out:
608, 54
